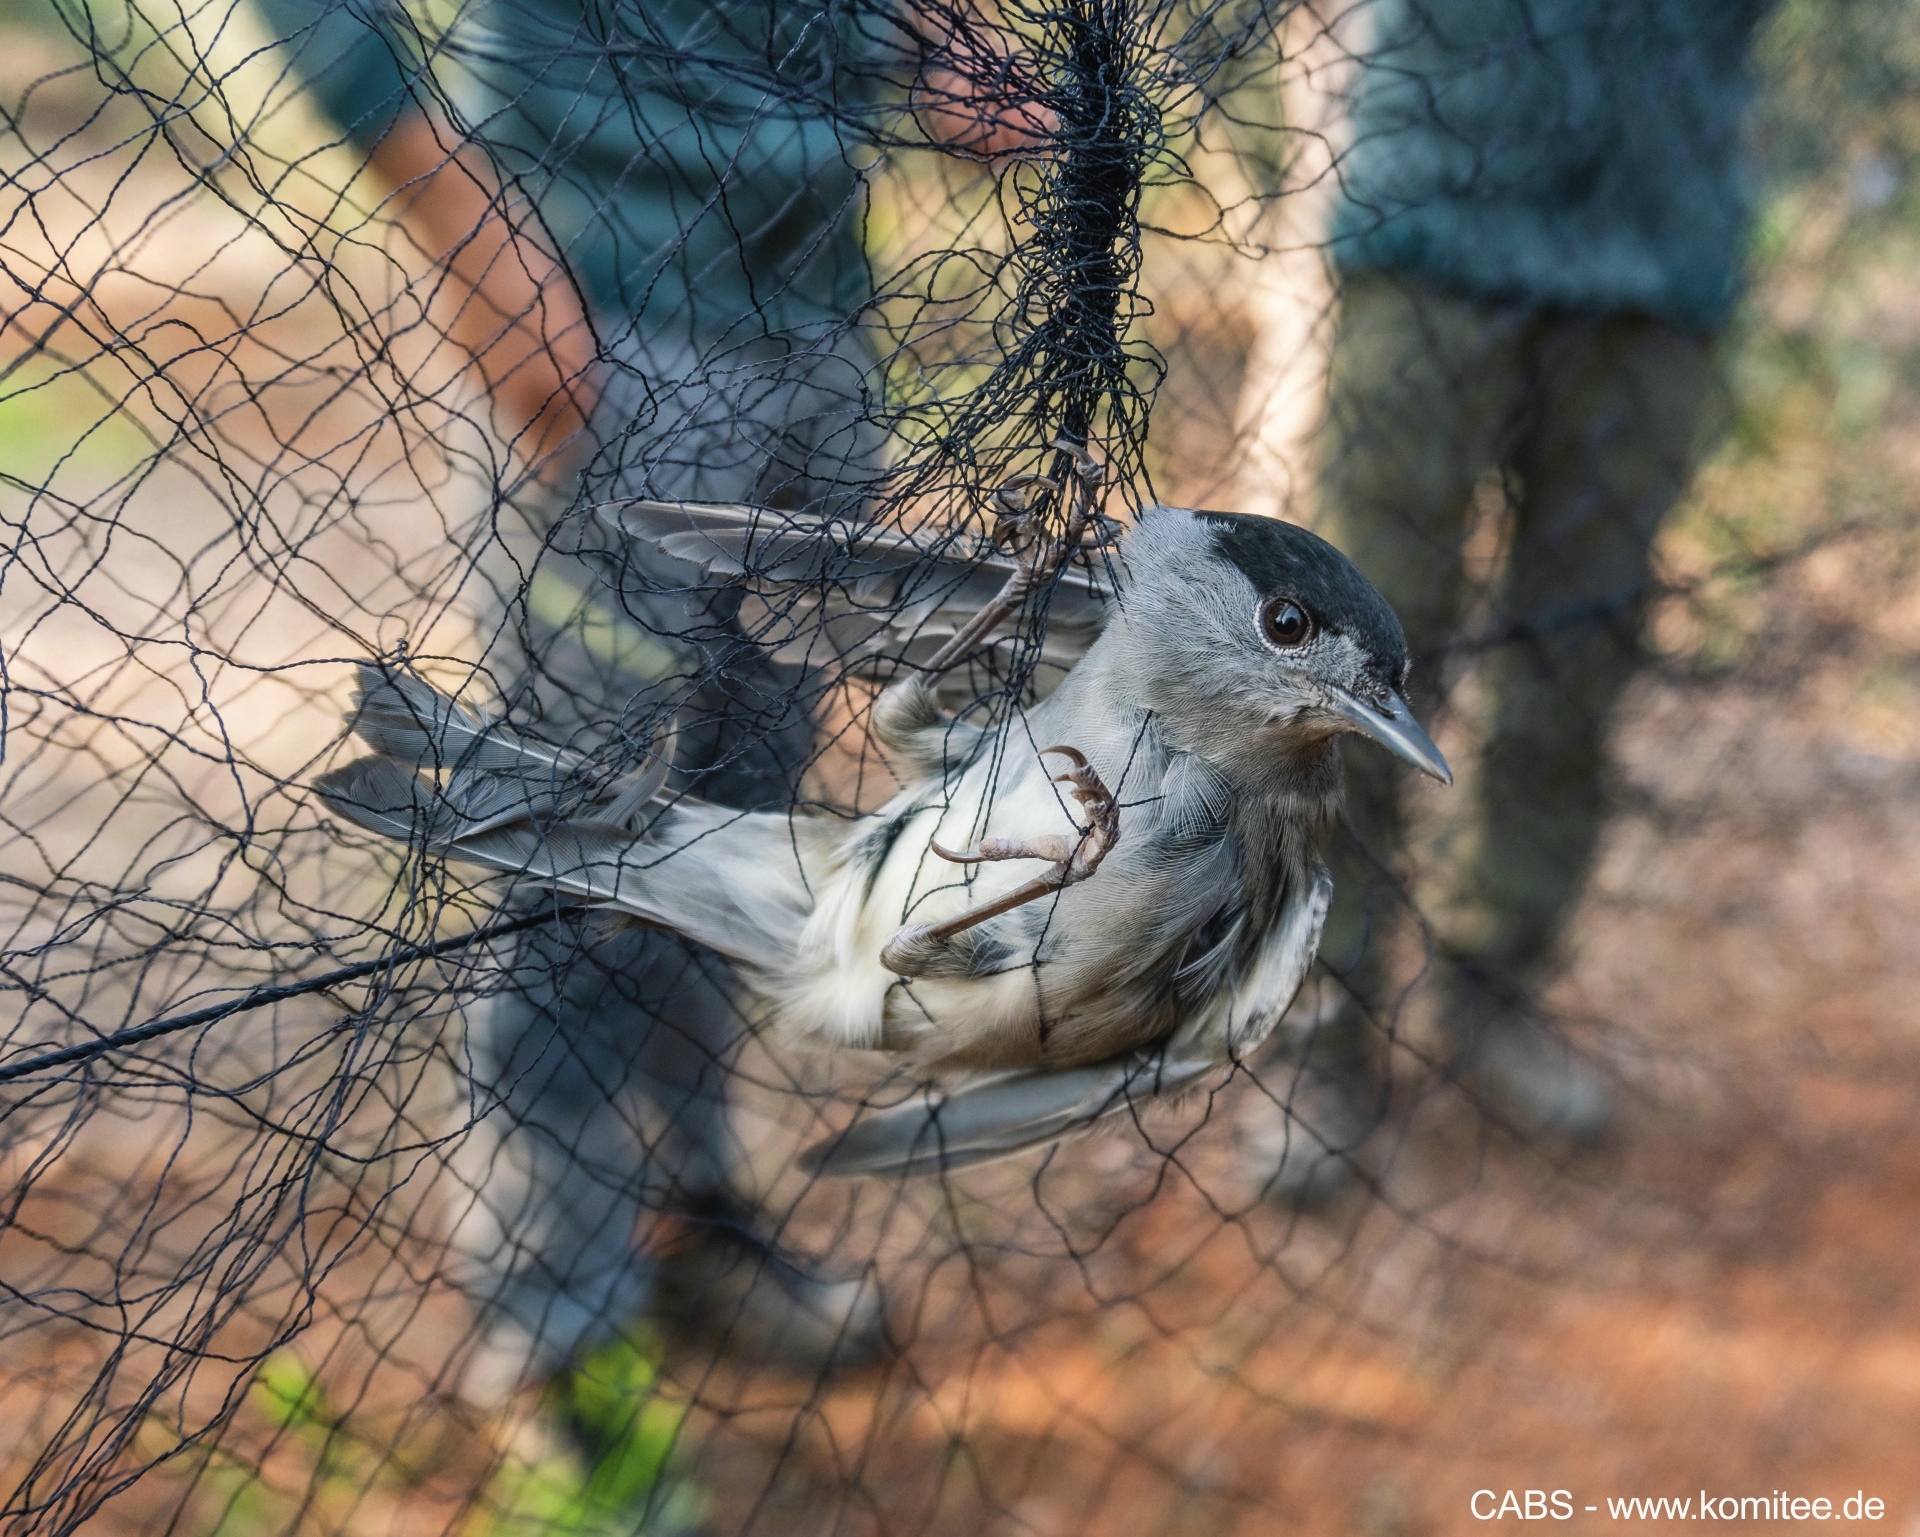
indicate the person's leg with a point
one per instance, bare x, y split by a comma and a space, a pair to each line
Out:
1420, 393
570, 1152
770, 423
626, 1042
600, 1079
1621, 408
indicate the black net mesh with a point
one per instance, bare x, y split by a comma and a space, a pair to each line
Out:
353, 1189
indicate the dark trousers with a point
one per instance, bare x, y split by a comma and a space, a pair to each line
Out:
600, 1068
1586, 428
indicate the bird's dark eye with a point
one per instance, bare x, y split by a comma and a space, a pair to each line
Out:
1286, 623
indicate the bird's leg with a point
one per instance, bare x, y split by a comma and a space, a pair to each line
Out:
913, 950
906, 710
1036, 558
1033, 564
1073, 859
906, 714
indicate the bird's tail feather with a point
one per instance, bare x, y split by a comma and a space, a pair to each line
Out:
406, 718
1000, 1115
526, 809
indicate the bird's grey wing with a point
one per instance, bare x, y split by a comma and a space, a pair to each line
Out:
869, 599
490, 774
1000, 1115
404, 717
535, 812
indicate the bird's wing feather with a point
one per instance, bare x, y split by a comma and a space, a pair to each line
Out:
865, 597
383, 796
1239, 1020
1001, 1115
467, 788
721, 889
407, 718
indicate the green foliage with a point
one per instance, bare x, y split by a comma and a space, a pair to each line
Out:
61, 430
626, 1434
611, 1397
289, 1395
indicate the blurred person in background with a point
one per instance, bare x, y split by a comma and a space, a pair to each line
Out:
654, 262
1539, 231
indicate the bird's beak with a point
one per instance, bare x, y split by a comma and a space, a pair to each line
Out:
1395, 729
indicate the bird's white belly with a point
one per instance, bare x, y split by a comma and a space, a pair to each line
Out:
840, 992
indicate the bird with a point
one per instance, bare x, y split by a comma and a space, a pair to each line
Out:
1177, 781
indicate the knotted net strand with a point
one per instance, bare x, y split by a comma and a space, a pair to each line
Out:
257, 429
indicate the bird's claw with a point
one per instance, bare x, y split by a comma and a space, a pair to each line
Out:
1014, 496
1018, 525
1072, 859
1077, 856
1089, 469
1103, 812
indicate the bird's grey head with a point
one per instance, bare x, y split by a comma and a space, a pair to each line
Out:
1249, 635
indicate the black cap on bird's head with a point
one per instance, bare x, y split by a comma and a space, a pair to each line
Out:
1284, 560
1324, 651
1313, 596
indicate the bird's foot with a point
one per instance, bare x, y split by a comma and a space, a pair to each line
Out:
1091, 471
1072, 858
1021, 523
1022, 527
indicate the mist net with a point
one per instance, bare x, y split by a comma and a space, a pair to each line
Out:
353, 1189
